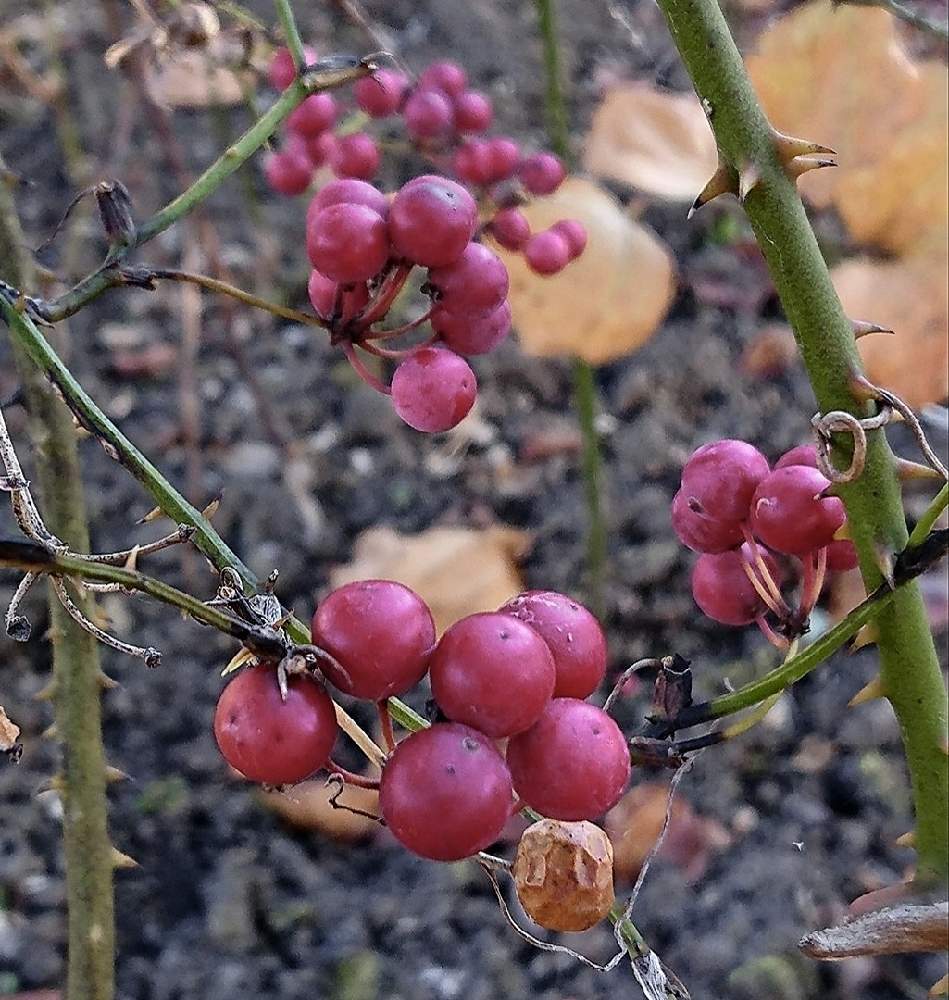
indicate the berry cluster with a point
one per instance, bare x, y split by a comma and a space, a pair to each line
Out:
738, 512
519, 674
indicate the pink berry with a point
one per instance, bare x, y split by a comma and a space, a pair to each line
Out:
541, 173
381, 94
572, 634
575, 234
510, 228
446, 792
803, 454
433, 389
473, 112
428, 115
841, 556
722, 477
347, 191
282, 72
357, 156
381, 635
791, 514
572, 764
468, 334
492, 672
721, 587
476, 284
316, 114
431, 221
547, 253
288, 172
322, 293
505, 155
348, 242
445, 76
321, 148
699, 531
472, 162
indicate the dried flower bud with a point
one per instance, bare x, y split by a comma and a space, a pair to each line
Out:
115, 210
564, 874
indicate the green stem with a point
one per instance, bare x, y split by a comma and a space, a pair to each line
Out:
292, 33
555, 103
930, 516
910, 670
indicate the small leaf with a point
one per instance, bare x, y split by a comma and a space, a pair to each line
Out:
893, 930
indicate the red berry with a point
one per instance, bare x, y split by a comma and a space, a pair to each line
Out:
289, 171
428, 114
492, 672
721, 478
347, 191
380, 95
468, 334
547, 253
314, 115
476, 284
270, 740
433, 389
510, 228
356, 155
431, 220
505, 155
446, 792
841, 556
700, 532
348, 242
803, 454
541, 173
380, 633
721, 587
473, 112
790, 513
575, 233
572, 764
572, 634
446, 76
282, 72
472, 162
322, 293
321, 148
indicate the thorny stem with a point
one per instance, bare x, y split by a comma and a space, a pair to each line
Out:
930, 516
292, 33
910, 671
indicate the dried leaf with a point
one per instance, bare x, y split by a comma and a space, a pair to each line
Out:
9, 734
456, 571
606, 303
307, 806
656, 140
190, 79
912, 297
894, 930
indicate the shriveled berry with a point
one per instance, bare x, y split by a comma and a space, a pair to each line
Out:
267, 739
475, 284
547, 253
281, 71
431, 220
348, 242
510, 228
381, 634
722, 477
790, 513
433, 389
721, 587
356, 155
473, 112
541, 173
428, 114
446, 792
445, 76
572, 634
699, 531
572, 764
314, 115
470, 335
381, 94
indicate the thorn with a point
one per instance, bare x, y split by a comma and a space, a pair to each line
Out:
907, 471
244, 655
861, 328
47, 692
789, 147
869, 692
114, 774
842, 534
866, 636
940, 989
155, 514
907, 839
748, 179
120, 860
212, 508
723, 181
862, 388
885, 563
802, 165
132, 561
50, 733
107, 683
56, 783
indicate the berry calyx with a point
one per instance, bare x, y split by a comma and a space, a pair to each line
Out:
433, 389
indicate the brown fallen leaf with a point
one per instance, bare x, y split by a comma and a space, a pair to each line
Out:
606, 303
912, 297
190, 79
940, 989
9, 735
893, 930
456, 571
770, 352
656, 140
307, 807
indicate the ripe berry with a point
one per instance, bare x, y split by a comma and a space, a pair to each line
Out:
492, 672
314, 115
575, 233
473, 112
841, 556
700, 532
428, 114
322, 293
510, 228
541, 173
572, 764
547, 252
433, 389
282, 72
321, 149
472, 162
348, 242
722, 477
572, 634
269, 740
473, 334
721, 587
803, 454
789, 512
288, 172
446, 792
431, 220
505, 155
380, 95
445, 76
347, 191
475, 284
357, 156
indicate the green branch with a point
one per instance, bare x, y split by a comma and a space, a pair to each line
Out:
292, 33
910, 672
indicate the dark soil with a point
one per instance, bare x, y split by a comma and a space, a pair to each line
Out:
228, 901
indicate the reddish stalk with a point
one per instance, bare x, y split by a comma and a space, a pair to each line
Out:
385, 721
362, 371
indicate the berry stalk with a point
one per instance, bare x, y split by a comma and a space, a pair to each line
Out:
910, 672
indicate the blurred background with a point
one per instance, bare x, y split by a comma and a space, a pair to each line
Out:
280, 896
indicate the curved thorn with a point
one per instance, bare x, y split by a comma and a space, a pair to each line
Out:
723, 181
789, 146
861, 328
